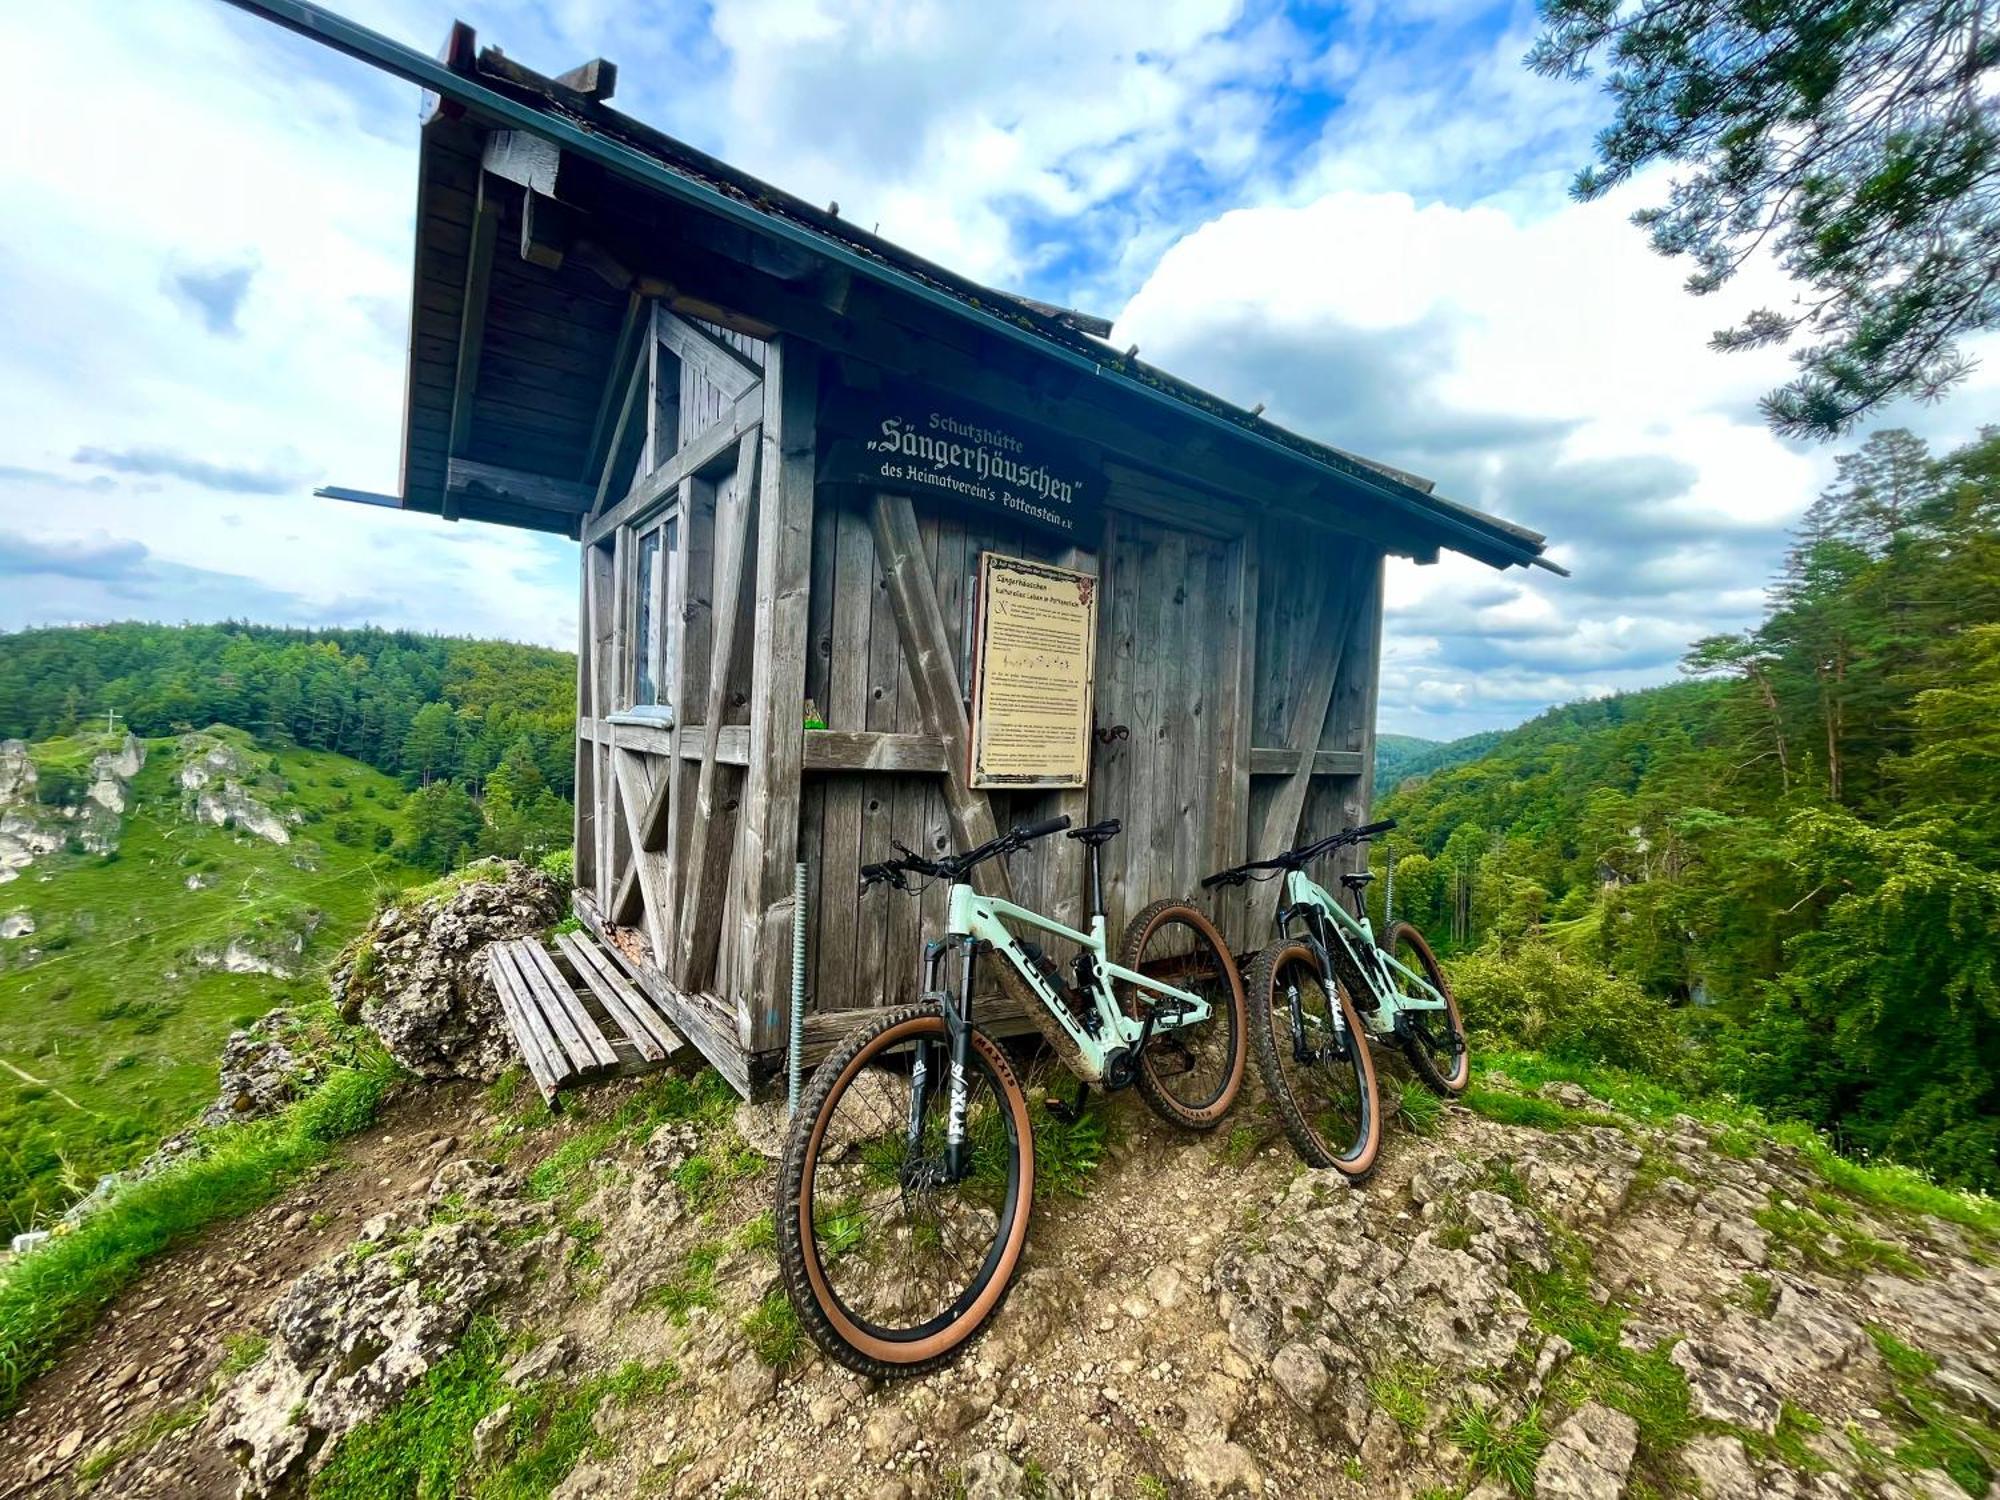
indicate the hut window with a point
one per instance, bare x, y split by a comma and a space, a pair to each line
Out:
666, 427
655, 618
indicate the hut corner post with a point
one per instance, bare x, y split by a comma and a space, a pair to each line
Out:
769, 840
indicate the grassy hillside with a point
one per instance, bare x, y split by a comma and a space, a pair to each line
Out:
112, 1011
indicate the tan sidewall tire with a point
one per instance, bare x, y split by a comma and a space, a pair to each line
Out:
1419, 1055
1305, 1140
798, 1256
1151, 1089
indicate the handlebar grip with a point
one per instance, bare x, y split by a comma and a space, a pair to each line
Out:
1222, 877
1374, 828
1042, 829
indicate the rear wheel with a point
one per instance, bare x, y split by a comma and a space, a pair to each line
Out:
1315, 1061
1434, 1040
1190, 1075
890, 1266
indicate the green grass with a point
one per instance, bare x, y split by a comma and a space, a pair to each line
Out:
774, 1332
1937, 1432
1504, 1452
1648, 1386
1759, 1295
1239, 1146
51, 1296
1417, 1109
163, 1422
690, 1286
1887, 1186
1829, 1244
422, 1445
114, 1018
1400, 1390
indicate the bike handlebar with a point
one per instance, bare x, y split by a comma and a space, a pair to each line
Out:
954, 867
1304, 854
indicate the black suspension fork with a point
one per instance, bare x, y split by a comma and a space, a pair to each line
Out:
959, 1023
927, 1068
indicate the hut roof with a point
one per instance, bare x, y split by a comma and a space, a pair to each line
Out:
550, 335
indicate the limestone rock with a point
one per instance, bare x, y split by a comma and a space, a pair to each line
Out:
1301, 1375
994, 1476
888, 1433
17, 773
1721, 1467
417, 976
1589, 1456
355, 1332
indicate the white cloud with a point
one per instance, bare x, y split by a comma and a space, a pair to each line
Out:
1545, 366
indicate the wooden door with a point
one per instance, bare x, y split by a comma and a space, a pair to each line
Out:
1169, 643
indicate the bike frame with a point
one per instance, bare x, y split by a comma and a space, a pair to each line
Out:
977, 923
1308, 901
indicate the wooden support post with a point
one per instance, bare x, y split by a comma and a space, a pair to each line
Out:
1302, 732
598, 564
930, 652
770, 827
1351, 726
1069, 861
706, 876
635, 383
1230, 832
472, 319
636, 792
637, 319
583, 827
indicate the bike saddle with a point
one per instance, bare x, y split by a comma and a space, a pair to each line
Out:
1356, 880
1097, 833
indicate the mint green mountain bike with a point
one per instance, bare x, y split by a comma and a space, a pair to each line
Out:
1324, 989
909, 1168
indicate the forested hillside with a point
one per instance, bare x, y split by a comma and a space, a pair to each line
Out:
482, 729
1799, 847
1401, 756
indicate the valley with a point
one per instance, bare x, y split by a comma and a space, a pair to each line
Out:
149, 914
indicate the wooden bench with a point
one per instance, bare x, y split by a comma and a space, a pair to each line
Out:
574, 1014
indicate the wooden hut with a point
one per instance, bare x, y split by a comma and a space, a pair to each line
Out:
788, 449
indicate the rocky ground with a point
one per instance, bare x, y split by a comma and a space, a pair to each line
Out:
1539, 1296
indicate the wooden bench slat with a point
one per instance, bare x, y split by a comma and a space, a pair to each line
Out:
556, 990
539, 1051
528, 984
531, 1053
619, 969
618, 999
613, 979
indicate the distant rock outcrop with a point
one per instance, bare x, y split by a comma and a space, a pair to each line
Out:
216, 780
30, 830
417, 976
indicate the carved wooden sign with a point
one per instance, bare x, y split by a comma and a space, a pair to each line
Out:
1033, 674
926, 443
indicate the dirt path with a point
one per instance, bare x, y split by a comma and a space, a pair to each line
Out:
152, 1361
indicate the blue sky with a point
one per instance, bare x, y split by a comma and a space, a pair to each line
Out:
1354, 214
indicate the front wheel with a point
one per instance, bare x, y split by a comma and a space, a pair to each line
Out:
1433, 1040
891, 1263
1314, 1057
1190, 1075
